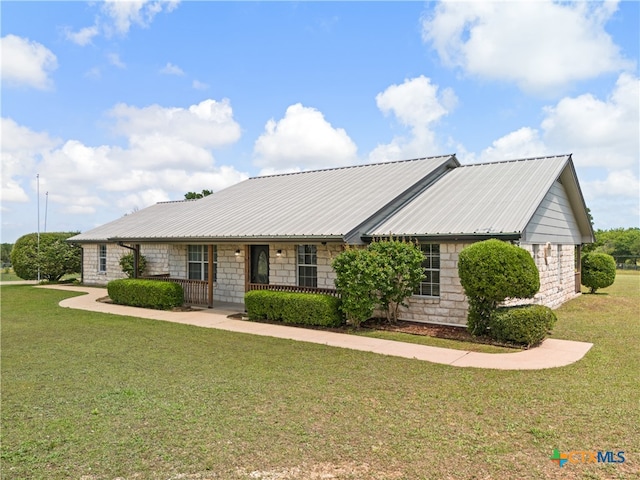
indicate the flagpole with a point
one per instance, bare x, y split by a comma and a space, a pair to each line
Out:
46, 209
38, 195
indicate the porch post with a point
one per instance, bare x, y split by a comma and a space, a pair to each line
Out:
136, 260
210, 274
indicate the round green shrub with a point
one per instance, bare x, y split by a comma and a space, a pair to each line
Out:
490, 272
526, 324
55, 257
598, 271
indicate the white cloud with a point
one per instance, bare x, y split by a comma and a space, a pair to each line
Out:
416, 104
599, 132
26, 63
171, 69
523, 143
21, 148
542, 46
124, 14
168, 152
622, 183
198, 85
208, 124
116, 17
82, 37
303, 139
114, 59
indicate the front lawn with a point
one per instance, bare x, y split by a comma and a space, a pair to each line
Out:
95, 396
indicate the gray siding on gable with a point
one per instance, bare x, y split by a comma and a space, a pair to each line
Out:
554, 220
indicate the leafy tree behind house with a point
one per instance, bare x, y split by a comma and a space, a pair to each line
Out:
6, 254
54, 257
623, 244
490, 272
196, 195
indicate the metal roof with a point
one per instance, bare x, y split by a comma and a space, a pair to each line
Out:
479, 199
322, 204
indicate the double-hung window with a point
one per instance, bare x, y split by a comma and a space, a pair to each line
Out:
430, 284
198, 262
307, 266
102, 258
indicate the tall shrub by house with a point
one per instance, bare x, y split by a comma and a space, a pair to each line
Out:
398, 273
598, 271
381, 276
490, 272
356, 281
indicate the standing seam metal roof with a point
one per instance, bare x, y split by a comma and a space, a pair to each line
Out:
320, 203
488, 198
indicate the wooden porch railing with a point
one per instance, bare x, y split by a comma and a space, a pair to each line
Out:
195, 291
294, 289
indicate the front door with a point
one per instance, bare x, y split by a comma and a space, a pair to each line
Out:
260, 264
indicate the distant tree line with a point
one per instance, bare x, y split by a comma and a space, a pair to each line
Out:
623, 244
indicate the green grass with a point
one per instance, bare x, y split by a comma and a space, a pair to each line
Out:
95, 396
8, 275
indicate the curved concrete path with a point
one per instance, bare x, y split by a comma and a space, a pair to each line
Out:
551, 353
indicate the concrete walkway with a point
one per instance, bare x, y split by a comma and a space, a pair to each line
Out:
551, 353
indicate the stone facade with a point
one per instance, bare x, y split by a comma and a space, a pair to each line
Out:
450, 308
555, 264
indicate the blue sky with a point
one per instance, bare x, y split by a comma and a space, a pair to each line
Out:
118, 105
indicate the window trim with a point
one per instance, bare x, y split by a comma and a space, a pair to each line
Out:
314, 266
432, 284
102, 258
203, 250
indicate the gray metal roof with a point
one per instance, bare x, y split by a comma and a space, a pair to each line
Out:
322, 204
480, 199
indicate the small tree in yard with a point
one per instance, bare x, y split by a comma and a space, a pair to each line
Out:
382, 275
127, 261
598, 271
399, 271
355, 279
54, 258
490, 272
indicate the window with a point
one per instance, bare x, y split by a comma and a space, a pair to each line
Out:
307, 266
430, 285
198, 262
102, 258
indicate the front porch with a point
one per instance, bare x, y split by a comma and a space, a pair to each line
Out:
201, 293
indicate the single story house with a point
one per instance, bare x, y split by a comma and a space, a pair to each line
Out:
283, 231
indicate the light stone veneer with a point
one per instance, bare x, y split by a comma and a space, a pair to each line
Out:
555, 264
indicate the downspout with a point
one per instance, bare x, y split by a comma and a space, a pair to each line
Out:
136, 256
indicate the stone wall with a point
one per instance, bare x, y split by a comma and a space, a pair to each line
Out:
451, 307
283, 269
156, 255
556, 265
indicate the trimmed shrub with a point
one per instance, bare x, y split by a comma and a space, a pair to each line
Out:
294, 308
598, 271
490, 272
146, 293
524, 324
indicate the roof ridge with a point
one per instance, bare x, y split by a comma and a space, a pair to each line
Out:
566, 155
373, 164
